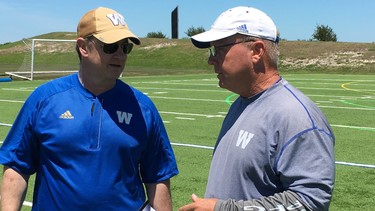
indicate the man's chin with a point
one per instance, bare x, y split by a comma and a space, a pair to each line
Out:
221, 84
116, 69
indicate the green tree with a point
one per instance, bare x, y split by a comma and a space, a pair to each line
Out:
324, 33
156, 35
193, 31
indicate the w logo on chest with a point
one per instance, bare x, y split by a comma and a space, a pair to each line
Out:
124, 117
243, 139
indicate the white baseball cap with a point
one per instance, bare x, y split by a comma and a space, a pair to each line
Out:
238, 20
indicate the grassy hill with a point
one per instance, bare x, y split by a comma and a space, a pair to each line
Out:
171, 56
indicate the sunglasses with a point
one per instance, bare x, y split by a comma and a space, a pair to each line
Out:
113, 47
212, 51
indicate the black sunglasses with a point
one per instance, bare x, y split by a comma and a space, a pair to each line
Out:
112, 48
212, 51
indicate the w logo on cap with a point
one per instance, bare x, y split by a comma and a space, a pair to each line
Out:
242, 28
116, 19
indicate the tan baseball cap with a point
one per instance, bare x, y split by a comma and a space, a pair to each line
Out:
106, 25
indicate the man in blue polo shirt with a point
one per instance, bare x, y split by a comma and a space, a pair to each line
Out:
92, 140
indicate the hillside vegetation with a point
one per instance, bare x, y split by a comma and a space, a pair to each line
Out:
179, 56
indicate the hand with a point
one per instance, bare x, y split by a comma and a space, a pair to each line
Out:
199, 204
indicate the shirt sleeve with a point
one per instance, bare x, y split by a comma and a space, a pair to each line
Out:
306, 166
19, 150
281, 201
158, 160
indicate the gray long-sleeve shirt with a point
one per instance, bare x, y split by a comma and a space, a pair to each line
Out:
278, 142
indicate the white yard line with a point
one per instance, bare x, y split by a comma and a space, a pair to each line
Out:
12, 101
337, 162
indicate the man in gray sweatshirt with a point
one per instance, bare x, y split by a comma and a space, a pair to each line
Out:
275, 150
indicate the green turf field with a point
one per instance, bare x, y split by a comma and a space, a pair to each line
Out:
193, 108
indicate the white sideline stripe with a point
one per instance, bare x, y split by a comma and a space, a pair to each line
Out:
355, 164
183, 98
12, 101
27, 203
334, 83
185, 118
353, 127
190, 114
349, 108
19, 89
320, 88
192, 145
5, 124
178, 83
322, 101
329, 79
337, 162
179, 89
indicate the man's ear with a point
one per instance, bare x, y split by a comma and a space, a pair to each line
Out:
258, 49
82, 47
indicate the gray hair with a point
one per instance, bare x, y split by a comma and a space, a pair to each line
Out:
272, 52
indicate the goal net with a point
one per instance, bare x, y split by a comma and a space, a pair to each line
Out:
47, 58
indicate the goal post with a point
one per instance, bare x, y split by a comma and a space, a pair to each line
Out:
47, 58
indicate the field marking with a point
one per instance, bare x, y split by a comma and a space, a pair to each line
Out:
12, 101
18, 89
27, 203
177, 83
189, 99
333, 83
5, 124
348, 108
319, 88
323, 101
185, 118
344, 86
329, 79
179, 89
355, 164
354, 127
192, 145
191, 114
337, 162
356, 104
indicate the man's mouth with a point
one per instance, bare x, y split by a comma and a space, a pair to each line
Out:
115, 65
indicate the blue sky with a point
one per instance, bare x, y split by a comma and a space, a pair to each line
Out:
352, 21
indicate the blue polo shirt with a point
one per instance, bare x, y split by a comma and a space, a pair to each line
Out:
89, 152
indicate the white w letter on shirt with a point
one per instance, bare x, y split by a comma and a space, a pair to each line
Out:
244, 138
124, 116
